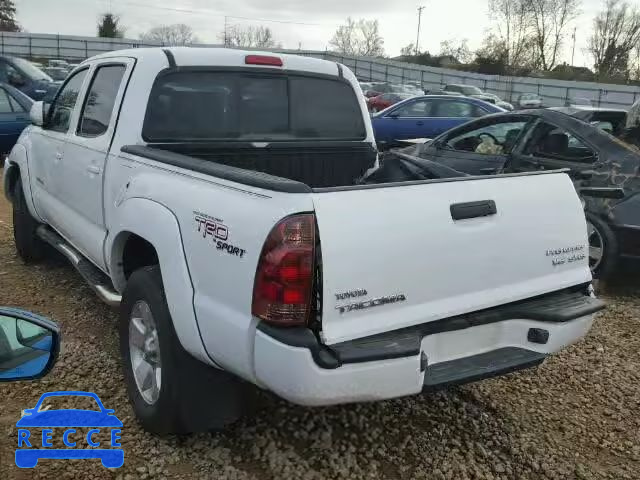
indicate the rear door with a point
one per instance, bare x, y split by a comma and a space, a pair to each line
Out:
81, 172
549, 147
405, 255
410, 119
448, 113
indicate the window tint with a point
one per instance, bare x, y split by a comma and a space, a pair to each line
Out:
62, 108
493, 139
5, 106
419, 108
14, 77
15, 105
549, 141
100, 100
453, 108
252, 107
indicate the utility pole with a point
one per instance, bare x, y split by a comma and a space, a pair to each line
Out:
418, 36
573, 51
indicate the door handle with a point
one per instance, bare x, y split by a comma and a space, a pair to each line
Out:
419, 124
94, 169
59, 155
463, 211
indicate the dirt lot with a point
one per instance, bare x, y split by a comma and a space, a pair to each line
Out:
575, 417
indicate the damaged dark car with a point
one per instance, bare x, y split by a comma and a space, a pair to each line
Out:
605, 170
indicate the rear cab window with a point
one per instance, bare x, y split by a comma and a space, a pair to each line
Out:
246, 106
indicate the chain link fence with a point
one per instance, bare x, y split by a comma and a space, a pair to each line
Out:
553, 92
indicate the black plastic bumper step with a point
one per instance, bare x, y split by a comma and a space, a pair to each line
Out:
480, 367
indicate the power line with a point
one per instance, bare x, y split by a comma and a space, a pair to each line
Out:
213, 14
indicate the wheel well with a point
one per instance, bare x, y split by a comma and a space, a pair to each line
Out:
137, 253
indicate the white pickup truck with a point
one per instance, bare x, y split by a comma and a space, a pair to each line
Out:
214, 196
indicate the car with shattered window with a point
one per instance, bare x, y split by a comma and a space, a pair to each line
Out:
605, 170
612, 120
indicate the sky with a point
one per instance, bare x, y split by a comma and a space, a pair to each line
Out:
308, 24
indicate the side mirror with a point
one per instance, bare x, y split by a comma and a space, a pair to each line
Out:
393, 115
37, 113
29, 345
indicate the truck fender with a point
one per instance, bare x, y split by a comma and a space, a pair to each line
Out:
156, 224
16, 168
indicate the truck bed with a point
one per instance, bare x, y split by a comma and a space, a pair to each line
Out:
314, 164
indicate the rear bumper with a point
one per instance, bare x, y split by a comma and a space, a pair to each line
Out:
393, 365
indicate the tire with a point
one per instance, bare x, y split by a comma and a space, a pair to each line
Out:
29, 247
191, 396
601, 238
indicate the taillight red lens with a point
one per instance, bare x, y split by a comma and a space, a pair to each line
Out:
284, 279
263, 60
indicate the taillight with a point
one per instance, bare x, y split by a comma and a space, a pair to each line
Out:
283, 286
263, 60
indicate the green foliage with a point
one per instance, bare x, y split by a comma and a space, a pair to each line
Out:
109, 26
8, 22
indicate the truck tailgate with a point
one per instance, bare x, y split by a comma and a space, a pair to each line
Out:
394, 257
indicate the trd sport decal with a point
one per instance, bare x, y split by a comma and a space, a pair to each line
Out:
215, 228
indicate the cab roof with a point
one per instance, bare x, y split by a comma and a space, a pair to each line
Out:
196, 56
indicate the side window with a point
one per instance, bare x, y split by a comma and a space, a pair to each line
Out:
100, 100
15, 106
419, 108
62, 108
549, 141
5, 105
14, 77
454, 108
493, 139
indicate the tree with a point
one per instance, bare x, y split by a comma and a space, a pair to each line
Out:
458, 49
176, 34
248, 37
512, 28
549, 19
492, 57
109, 26
615, 34
408, 51
8, 22
358, 38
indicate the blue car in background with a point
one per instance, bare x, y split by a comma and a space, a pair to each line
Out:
427, 117
26, 77
14, 116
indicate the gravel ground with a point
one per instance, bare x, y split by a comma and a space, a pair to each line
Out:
575, 417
